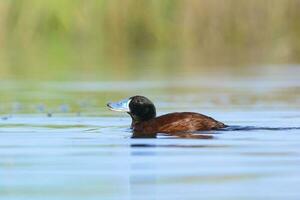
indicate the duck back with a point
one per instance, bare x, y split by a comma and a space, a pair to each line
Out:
177, 123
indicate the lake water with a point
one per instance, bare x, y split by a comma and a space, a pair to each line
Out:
59, 141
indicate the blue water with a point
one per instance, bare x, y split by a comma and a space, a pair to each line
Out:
58, 141
94, 157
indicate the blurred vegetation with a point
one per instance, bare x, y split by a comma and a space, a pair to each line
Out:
110, 39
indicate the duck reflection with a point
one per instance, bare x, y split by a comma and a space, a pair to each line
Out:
143, 178
145, 165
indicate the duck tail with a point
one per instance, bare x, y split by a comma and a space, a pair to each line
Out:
221, 125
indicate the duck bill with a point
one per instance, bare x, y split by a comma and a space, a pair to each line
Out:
120, 106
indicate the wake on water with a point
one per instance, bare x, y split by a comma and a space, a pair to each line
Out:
257, 128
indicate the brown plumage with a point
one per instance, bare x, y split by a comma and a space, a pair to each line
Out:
145, 124
178, 122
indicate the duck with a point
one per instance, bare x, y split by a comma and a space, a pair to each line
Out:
145, 123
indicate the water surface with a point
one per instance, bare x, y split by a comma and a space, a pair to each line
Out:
58, 141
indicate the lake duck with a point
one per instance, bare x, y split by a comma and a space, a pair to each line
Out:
145, 124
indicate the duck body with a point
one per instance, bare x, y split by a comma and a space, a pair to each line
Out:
145, 124
179, 122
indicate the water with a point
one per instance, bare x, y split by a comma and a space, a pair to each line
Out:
58, 141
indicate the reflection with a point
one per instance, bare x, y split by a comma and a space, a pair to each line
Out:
176, 146
188, 135
142, 172
200, 135
215, 179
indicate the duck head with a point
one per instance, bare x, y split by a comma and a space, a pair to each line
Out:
139, 108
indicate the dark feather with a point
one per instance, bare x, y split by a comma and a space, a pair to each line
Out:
177, 123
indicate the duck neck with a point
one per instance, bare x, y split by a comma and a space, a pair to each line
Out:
135, 121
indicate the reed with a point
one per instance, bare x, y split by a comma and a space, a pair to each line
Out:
123, 37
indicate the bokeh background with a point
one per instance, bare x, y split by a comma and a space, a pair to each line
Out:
128, 39
95, 41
